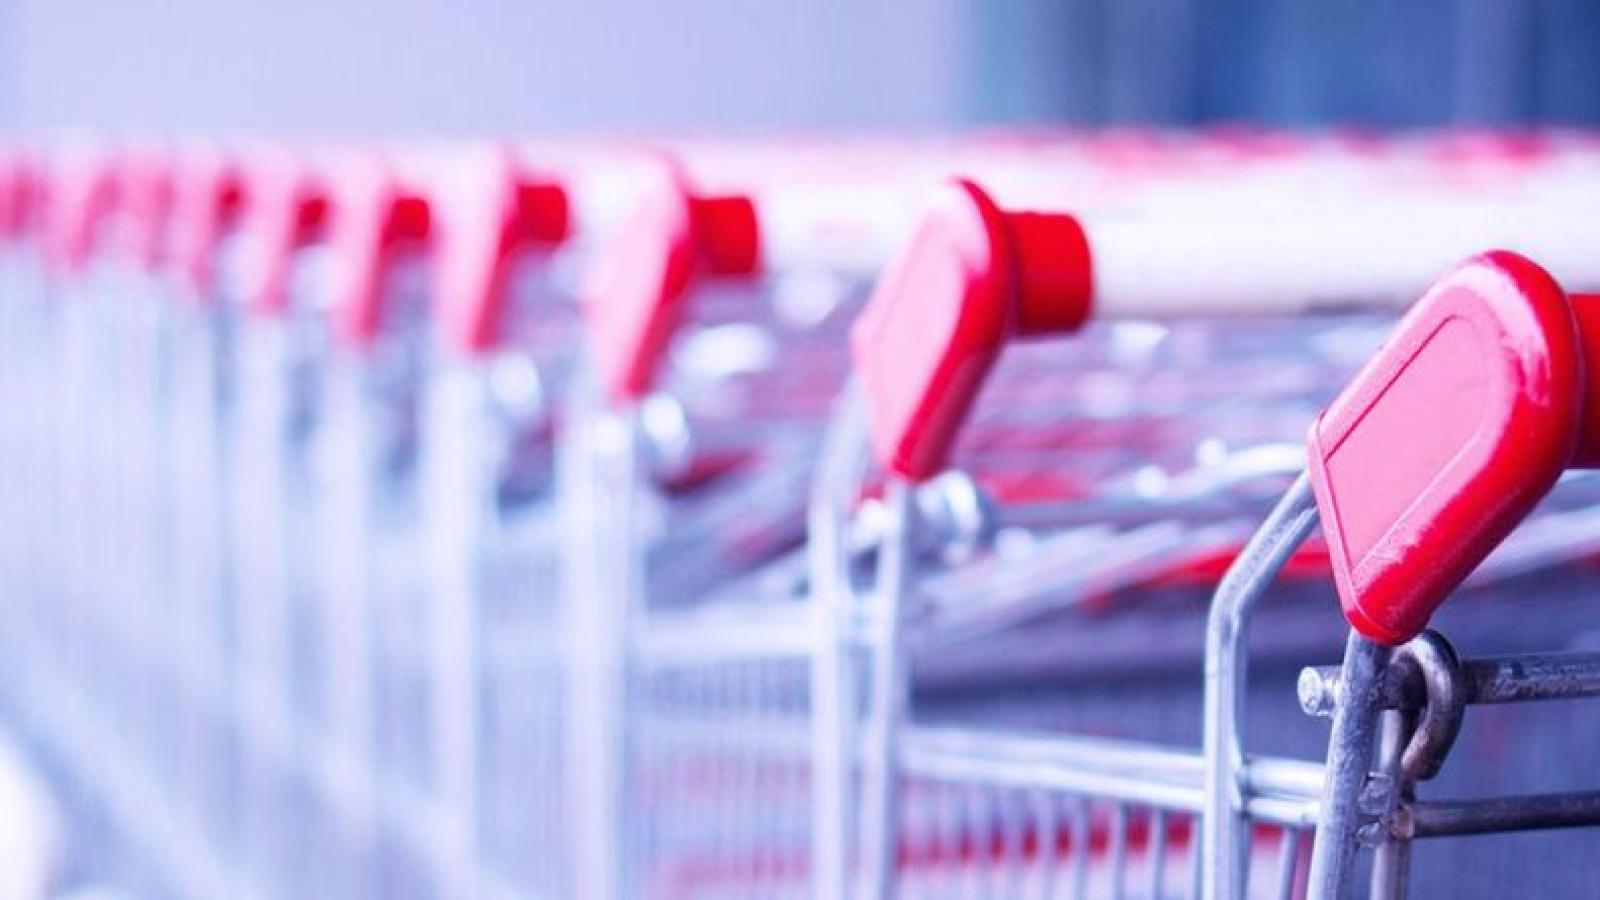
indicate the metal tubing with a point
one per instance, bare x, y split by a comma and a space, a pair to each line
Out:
1223, 825
1349, 754
888, 697
1087, 766
1446, 818
1392, 861
832, 670
1503, 679
596, 467
1288, 863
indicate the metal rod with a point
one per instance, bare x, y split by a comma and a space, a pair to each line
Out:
1392, 860
889, 687
1349, 753
1533, 812
832, 676
1288, 863
1046, 811
1223, 825
1502, 679
597, 468
1119, 850
1158, 853
1082, 825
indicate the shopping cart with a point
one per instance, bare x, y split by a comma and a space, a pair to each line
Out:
108, 641
335, 571
395, 529
325, 528
505, 332
716, 325
688, 471
906, 801
1474, 407
192, 247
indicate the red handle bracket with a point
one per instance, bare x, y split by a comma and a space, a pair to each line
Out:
642, 277
1446, 439
972, 277
82, 199
288, 212
147, 194
491, 211
372, 218
21, 193
209, 204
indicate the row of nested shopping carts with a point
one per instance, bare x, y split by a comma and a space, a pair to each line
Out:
856, 517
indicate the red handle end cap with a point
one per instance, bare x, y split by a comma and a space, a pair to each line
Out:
372, 218
1586, 312
638, 281
642, 277
934, 326
1445, 440
487, 223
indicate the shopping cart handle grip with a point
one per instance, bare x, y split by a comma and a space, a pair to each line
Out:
82, 196
20, 193
287, 212
373, 216
146, 192
1446, 439
640, 280
1586, 311
210, 201
490, 215
971, 278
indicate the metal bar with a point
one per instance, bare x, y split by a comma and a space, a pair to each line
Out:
1391, 862
1501, 679
1288, 863
1135, 759
1267, 776
1349, 754
1107, 784
700, 637
832, 675
1045, 810
1082, 832
1226, 674
1119, 849
1013, 837
1532, 812
889, 691
1282, 791
596, 466
1157, 853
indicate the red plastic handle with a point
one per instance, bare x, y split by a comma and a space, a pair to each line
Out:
82, 199
373, 217
971, 278
288, 212
148, 194
20, 193
1447, 439
1586, 312
490, 214
209, 205
642, 277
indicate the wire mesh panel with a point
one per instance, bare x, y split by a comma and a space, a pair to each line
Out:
274, 679
1012, 725
1077, 496
703, 489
